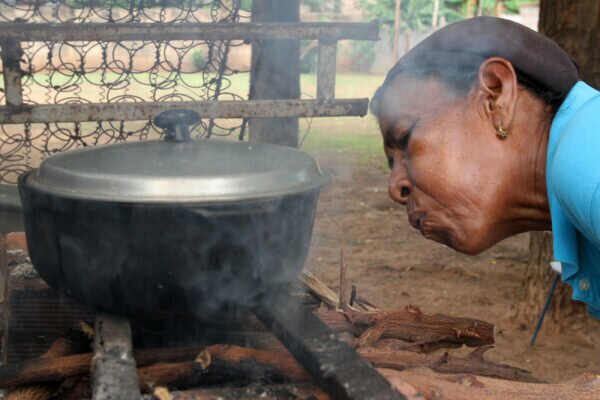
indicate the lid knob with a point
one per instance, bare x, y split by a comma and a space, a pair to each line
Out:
176, 124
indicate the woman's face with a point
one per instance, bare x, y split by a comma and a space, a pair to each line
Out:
447, 165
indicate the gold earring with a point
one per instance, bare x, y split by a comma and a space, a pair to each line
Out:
501, 132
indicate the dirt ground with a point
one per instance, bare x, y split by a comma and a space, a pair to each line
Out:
393, 266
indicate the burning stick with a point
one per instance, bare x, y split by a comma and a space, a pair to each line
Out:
224, 363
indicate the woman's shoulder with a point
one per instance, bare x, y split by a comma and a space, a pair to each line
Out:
576, 167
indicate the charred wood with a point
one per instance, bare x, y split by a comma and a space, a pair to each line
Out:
224, 364
271, 392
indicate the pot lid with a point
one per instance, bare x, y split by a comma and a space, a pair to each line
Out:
184, 172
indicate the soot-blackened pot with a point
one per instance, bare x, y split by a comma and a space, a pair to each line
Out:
171, 226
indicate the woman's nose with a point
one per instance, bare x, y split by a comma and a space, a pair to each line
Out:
400, 187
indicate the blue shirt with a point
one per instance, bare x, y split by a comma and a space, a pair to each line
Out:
573, 182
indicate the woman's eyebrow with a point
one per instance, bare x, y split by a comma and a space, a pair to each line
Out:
390, 139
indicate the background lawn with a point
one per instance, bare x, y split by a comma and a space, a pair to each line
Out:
358, 137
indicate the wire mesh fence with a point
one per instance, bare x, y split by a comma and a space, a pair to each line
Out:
100, 72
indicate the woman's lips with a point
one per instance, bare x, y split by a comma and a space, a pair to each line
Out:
416, 219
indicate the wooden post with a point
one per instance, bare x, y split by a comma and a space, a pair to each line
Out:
326, 69
275, 72
11, 62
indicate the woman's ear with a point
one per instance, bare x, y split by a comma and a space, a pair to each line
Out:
497, 91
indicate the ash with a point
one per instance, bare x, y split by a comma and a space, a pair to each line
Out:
22, 269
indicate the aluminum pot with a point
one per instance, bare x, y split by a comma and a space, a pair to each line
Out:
171, 226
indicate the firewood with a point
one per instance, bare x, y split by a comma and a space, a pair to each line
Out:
428, 384
227, 361
74, 341
161, 393
56, 369
318, 289
276, 357
224, 363
44, 370
165, 374
269, 392
81, 389
281, 360
434, 385
411, 325
361, 301
397, 344
474, 363
427, 332
32, 392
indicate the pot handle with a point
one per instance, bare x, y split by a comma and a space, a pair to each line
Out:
176, 124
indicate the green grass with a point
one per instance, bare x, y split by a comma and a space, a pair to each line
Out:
346, 85
358, 137
364, 144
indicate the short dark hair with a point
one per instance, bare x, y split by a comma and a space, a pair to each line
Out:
461, 81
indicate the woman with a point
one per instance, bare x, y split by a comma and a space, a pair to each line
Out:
489, 132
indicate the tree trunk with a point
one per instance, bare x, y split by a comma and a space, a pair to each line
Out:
397, 16
499, 9
470, 7
575, 26
275, 72
480, 6
435, 15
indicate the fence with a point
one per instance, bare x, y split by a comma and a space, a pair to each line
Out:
82, 73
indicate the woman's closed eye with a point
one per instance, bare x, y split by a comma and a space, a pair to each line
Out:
393, 140
399, 139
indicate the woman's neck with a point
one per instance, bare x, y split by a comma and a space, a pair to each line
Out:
530, 207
